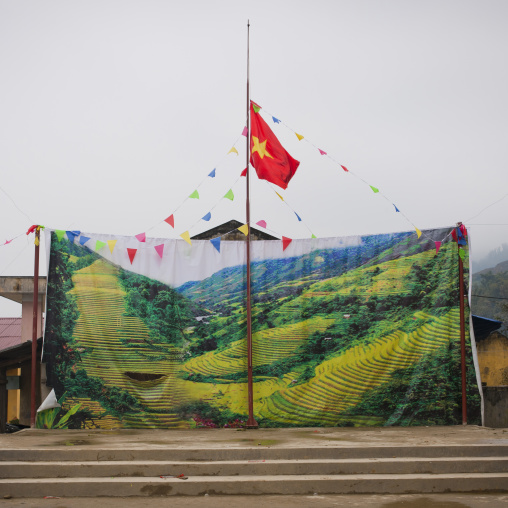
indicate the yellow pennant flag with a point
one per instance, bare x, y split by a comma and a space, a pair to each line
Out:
299, 136
279, 195
186, 237
418, 232
244, 229
233, 150
111, 245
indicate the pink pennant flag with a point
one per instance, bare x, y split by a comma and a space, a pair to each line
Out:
132, 254
244, 172
245, 131
438, 246
159, 249
261, 223
285, 242
345, 169
7, 241
171, 221
322, 152
141, 237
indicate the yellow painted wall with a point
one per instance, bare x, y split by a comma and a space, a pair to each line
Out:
493, 359
13, 398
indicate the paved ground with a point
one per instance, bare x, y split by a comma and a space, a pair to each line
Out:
324, 501
228, 438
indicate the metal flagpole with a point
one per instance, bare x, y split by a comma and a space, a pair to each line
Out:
251, 422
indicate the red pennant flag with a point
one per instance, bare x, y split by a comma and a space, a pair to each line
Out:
171, 221
268, 156
244, 172
132, 253
159, 249
438, 246
345, 169
285, 242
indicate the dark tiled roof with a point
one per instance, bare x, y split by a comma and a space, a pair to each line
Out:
10, 332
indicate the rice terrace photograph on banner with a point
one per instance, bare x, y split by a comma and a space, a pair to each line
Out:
347, 331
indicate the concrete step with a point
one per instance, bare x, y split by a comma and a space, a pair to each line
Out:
154, 469
81, 453
246, 485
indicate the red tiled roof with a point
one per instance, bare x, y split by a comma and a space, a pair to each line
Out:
10, 332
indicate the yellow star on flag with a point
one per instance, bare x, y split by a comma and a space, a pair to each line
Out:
260, 148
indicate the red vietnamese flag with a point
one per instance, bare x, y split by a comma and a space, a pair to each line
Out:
267, 155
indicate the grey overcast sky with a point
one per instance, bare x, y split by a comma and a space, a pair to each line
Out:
113, 112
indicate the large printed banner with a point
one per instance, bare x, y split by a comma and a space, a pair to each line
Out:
355, 331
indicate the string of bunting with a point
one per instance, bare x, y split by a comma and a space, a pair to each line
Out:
375, 190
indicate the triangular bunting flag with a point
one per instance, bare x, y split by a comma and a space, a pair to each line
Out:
233, 150
212, 173
438, 246
245, 131
313, 235
285, 242
244, 172
244, 229
207, 217
159, 249
99, 245
418, 232
185, 235
279, 195
345, 169
171, 220
299, 136
462, 254
111, 245
7, 242
275, 120
141, 237
298, 217
261, 223
83, 239
132, 254
396, 209
322, 152
60, 233
229, 195
216, 243
71, 235
255, 107
194, 195
374, 189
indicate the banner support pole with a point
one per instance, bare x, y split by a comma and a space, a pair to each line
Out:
34, 330
462, 335
251, 422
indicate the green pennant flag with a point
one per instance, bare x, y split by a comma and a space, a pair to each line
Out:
374, 189
229, 195
194, 195
313, 235
256, 108
99, 245
59, 234
462, 254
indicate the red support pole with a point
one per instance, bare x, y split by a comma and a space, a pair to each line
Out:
462, 340
34, 330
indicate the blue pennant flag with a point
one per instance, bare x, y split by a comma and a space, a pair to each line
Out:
72, 234
212, 173
216, 243
396, 209
207, 217
83, 240
298, 217
275, 120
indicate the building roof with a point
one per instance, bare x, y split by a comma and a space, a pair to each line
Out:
10, 332
229, 231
